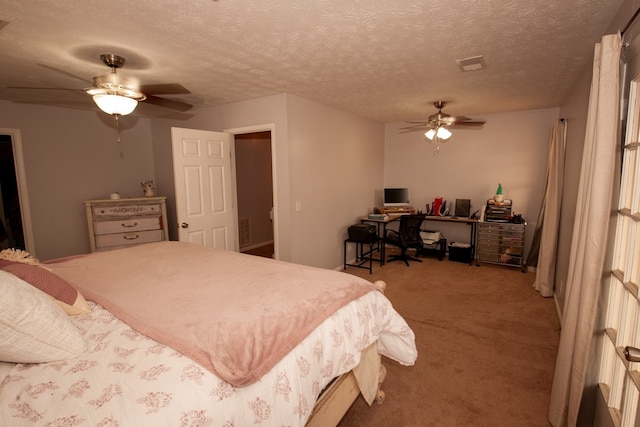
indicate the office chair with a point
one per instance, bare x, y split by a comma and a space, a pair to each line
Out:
407, 237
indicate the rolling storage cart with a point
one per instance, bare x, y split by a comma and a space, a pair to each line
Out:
501, 243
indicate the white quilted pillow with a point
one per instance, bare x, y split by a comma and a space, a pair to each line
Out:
33, 328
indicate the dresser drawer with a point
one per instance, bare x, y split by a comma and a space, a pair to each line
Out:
130, 238
118, 223
126, 209
126, 225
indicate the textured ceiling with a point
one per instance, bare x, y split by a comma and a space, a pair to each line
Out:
381, 59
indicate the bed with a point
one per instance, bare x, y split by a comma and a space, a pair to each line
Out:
174, 334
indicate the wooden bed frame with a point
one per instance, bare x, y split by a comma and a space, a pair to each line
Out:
336, 399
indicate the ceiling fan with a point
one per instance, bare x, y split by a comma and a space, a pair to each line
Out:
436, 126
118, 95
115, 94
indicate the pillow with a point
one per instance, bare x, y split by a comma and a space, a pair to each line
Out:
18, 255
68, 297
32, 328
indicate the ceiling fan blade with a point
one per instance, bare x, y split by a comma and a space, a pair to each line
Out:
406, 130
416, 127
145, 109
40, 88
164, 89
66, 73
168, 103
469, 123
458, 118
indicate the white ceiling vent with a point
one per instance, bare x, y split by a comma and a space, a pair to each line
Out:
473, 63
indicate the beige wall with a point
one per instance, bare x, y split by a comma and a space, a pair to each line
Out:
336, 166
509, 149
333, 162
270, 111
70, 156
329, 160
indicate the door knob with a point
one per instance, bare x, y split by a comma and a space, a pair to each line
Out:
632, 354
184, 225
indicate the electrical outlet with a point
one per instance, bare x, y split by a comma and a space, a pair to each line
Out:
298, 206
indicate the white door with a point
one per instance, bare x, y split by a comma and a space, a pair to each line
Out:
203, 178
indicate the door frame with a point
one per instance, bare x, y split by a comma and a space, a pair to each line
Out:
23, 193
270, 127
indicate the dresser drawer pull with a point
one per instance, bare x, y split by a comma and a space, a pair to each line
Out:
135, 224
131, 237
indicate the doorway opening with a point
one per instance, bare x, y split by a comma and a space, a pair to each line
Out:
11, 228
254, 188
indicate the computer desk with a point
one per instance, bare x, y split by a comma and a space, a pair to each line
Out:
382, 230
473, 222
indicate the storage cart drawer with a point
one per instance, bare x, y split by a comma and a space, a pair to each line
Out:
488, 256
489, 247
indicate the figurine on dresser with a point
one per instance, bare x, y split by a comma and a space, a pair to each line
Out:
149, 188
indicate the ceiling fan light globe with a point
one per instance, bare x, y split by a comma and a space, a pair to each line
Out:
115, 104
443, 133
430, 134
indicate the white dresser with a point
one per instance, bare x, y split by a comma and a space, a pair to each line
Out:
117, 223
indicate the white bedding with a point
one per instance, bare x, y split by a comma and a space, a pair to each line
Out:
127, 379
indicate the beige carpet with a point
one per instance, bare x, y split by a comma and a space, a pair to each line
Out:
486, 342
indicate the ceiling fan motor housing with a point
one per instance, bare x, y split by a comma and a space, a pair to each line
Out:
112, 61
116, 85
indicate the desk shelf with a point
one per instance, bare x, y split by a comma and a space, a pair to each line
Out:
471, 222
437, 248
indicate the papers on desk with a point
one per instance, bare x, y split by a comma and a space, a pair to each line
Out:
430, 237
378, 216
460, 245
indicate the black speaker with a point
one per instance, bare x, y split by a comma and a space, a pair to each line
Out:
363, 233
463, 208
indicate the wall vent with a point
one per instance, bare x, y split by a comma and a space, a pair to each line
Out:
473, 63
244, 232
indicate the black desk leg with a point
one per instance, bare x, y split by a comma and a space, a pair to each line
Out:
473, 245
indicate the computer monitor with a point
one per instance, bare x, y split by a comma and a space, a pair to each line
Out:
396, 197
463, 208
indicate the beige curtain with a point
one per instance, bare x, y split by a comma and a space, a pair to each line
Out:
549, 217
589, 235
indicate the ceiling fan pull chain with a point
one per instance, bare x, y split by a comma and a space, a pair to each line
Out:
117, 127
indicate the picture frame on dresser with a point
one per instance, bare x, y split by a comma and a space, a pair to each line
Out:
119, 223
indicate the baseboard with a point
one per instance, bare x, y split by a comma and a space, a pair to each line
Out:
558, 308
256, 245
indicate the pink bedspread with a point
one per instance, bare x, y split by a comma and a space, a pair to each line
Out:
237, 315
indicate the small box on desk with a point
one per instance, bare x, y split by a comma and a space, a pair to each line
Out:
460, 252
